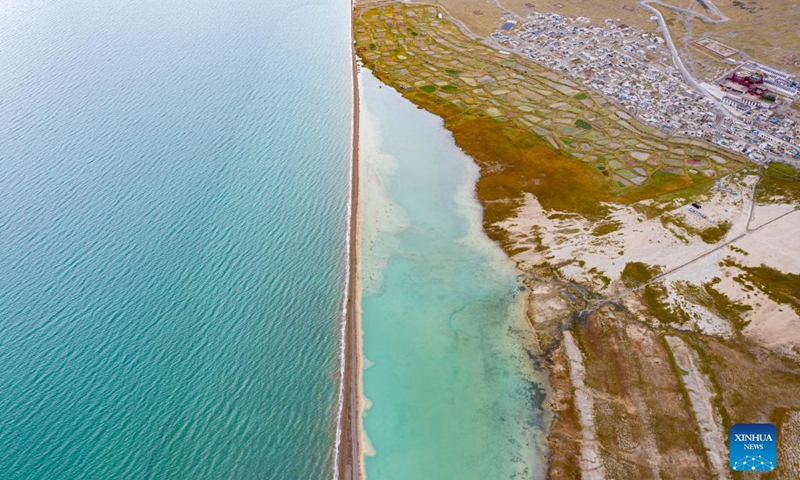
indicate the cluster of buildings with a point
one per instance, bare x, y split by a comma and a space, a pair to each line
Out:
760, 134
761, 124
749, 86
634, 70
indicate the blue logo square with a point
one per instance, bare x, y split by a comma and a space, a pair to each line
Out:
754, 447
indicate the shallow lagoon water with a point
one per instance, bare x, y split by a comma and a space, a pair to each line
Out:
449, 389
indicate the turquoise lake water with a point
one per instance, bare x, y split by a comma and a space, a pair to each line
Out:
173, 186
451, 389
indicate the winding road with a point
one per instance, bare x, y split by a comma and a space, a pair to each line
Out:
711, 7
676, 58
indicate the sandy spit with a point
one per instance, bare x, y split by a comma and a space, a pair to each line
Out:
349, 465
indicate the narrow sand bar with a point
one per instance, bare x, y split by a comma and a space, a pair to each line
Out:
349, 465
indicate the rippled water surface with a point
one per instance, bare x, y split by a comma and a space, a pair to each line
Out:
173, 184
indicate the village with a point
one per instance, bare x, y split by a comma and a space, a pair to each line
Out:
634, 70
428, 57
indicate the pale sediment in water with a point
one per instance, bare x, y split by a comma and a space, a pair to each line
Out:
451, 389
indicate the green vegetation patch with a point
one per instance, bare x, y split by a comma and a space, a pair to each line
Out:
600, 276
448, 88
780, 287
653, 296
605, 228
428, 88
715, 301
411, 32
677, 186
581, 96
453, 72
727, 308
372, 46
709, 235
641, 127
780, 181
715, 233
637, 273
738, 250
583, 124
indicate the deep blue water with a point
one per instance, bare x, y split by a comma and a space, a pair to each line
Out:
173, 184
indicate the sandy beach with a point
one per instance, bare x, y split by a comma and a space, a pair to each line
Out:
349, 464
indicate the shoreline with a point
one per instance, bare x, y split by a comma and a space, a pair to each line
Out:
348, 461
